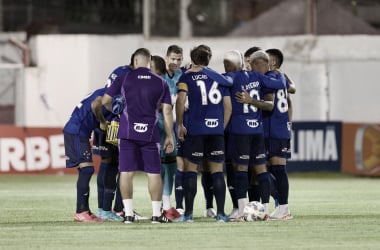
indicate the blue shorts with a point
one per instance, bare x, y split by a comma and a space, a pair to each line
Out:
101, 147
139, 155
77, 150
278, 148
204, 147
247, 149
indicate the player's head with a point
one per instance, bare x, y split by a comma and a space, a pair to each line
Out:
158, 65
247, 55
259, 61
275, 58
200, 56
174, 58
207, 48
141, 58
233, 61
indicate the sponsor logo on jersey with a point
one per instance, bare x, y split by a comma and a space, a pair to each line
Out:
211, 123
252, 123
198, 154
140, 127
244, 157
218, 152
144, 77
260, 156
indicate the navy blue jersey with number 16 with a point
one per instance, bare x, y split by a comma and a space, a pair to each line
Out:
205, 96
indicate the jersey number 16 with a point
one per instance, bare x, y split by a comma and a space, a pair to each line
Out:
213, 95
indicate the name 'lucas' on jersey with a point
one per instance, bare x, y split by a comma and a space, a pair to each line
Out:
205, 97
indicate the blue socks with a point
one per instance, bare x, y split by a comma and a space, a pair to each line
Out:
100, 183
264, 185
282, 183
219, 188
109, 185
178, 184
231, 184
241, 185
83, 188
118, 206
207, 188
190, 185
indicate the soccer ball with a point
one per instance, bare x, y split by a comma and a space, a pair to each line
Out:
254, 211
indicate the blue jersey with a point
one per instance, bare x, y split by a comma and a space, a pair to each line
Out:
83, 121
117, 72
276, 122
245, 118
205, 97
143, 92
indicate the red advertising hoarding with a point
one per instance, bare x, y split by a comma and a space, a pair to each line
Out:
25, 150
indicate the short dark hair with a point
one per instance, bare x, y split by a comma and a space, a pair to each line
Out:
142, 52
160, 64
207, 48
132, 59
277, 54
251, 50
200, 56
174, 49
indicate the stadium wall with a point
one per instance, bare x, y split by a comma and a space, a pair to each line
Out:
336, 76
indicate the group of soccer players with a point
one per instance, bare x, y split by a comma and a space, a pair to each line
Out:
238, 121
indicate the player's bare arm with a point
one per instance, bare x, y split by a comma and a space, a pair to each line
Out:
290, 110
227, 110
167, 112
266, 104
292, 85
96, 107
180, 110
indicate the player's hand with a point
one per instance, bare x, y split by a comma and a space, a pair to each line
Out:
169, 144
243, 97
181, 132
103, 126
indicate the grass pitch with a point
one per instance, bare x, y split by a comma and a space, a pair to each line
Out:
331, 211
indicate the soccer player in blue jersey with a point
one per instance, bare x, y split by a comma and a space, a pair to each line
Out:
277, 124
144, 93
208, 114
77, 133
247, 55
246, 129
105, 173
233, 62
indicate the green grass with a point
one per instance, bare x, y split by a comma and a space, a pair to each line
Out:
331, 211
